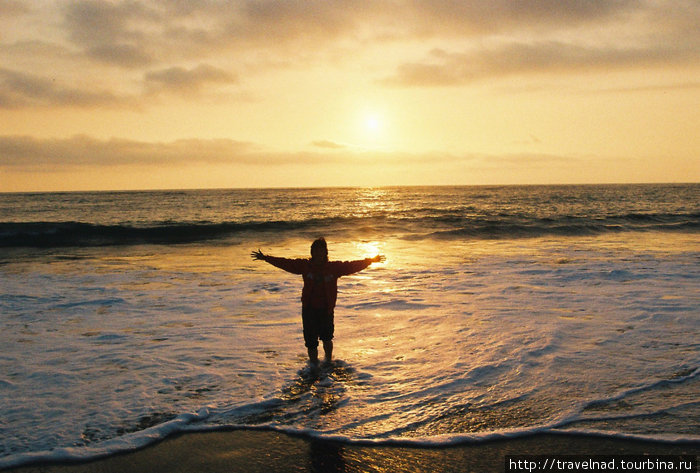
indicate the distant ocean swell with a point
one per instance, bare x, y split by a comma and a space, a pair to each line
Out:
446, 225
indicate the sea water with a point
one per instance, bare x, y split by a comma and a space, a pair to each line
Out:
499, 311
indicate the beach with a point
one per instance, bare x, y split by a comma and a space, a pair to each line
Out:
398, 235
255, 451
550, 319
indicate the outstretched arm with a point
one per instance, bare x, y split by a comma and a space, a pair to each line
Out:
294, 266
258, 255
378, 259
346, 268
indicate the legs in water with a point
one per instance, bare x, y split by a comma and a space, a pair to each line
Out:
318, 324
327, 349
313, 355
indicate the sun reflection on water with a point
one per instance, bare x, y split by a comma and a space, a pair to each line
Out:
369, 248
373, 201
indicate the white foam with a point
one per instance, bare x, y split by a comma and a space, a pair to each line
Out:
122, 444
489, 339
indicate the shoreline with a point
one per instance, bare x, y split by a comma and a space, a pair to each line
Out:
253, 451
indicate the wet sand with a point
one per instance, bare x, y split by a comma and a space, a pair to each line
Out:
254, 451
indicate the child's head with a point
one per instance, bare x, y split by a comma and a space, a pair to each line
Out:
319, 250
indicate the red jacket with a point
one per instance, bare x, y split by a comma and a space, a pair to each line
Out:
331, 271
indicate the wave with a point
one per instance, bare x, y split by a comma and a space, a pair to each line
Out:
445, 225
62, 234
201, 421
189, 423
524, 227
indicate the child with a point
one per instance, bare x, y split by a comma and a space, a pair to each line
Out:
320, 292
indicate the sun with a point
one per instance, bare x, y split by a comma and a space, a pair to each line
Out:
372, 128
373, 123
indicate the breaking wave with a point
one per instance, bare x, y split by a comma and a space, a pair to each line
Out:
441, 225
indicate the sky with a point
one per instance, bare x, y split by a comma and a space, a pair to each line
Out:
135, 94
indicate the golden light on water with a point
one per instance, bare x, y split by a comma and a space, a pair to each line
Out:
369, 248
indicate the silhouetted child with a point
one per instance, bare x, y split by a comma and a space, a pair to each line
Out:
319, 293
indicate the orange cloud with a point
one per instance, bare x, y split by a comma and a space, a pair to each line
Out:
443, 68
20, 89
188, 80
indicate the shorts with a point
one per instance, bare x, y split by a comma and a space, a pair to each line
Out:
318, 323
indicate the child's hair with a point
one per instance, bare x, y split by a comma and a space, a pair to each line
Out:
320, 242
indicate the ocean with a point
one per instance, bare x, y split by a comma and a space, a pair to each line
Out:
499, 312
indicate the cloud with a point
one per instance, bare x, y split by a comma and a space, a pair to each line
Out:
131, 33
25, 152
687, 85
125, 55
34, 50
13, 8
328, 144
179, 79
558, 36
287, 21
96, 23
475, 18
165, 31
118, 33
19, 89
443, 68
470, 40
275, 21
24, 90
30, 152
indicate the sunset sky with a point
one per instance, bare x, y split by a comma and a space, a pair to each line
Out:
139, 94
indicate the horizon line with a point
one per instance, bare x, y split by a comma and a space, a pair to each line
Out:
191, 189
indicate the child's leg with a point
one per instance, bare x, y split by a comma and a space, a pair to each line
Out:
310, 324
328, 349
313, 354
